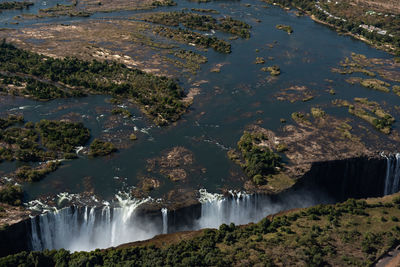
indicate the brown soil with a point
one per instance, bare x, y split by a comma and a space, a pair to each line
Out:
117, 40
12, 214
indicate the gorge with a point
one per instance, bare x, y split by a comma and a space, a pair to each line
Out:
85, 228
165, 91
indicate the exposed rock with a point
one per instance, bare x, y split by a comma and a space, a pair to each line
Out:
323, 140
295, 93
176, 164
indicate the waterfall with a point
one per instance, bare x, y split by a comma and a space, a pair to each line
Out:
242, 208
87, 228
392, 178
164, 212
36, 244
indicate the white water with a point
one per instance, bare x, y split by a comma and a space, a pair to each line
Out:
89, 228
164, 212
392, 179
244, 208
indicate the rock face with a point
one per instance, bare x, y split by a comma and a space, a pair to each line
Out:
15, 238
358, 177
331, 152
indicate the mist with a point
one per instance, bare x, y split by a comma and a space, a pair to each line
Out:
89, 228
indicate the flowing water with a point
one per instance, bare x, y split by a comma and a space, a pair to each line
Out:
239, 95
392, 178
88, 228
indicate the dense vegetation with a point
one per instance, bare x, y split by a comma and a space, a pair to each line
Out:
11, 194
376, 85
10, 121
64, 136
347, 17
201, 22
159, 97
15, 5
257, 161
354, 233
31, 174
17, 85
101, 148
194, 38
44, 141
63, 10
202, 10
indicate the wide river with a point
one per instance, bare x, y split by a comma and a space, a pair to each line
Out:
239, 95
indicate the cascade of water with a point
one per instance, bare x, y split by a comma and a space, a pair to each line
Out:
36, 244
387, 182
78, 229
396, 173
392, 178
88, 228
164, 212
242, 208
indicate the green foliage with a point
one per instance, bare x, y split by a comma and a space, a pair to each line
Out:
300, 117
396, 200
30, 174
124, 112
159, 97
164, 3
370, 243
61, 135
274, 70
197, 39
258, 179
101, 148
284, 240
10, 121
285, 28
317, 112
205, 10
376, 85
200, 22
15, 5
11, 194
44, 141
258, 161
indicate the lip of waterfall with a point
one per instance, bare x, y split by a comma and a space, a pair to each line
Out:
209, 197
238, 194
80, 227
87, 228
38, 206
206, 196
65, 200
